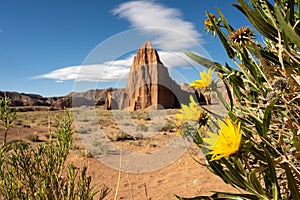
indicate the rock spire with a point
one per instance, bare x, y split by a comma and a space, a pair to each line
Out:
149, 83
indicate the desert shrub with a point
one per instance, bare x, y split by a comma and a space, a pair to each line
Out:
119, 136
7, 116
83, 130
135, 143
256, 147
50, 135
41, 173
142, 127
33, 138
85, 154
26, 126
75, 147
140, 115
96, 143
149, 143
139, 136
19, 122
17, 142
169, 125
126, 124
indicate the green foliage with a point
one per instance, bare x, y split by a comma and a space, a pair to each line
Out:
7, 116
119, 136
264, 95
142, 128
42, 173
169, 125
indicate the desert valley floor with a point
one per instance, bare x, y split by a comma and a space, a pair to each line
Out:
184, 177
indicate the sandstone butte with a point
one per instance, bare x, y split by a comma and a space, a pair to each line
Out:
148, 84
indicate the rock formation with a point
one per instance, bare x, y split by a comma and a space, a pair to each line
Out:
22, 99
110, 102
149, 83
88, 98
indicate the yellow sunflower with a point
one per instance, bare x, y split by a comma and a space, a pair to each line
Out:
205, 81
227, 142
191, 112
208, 23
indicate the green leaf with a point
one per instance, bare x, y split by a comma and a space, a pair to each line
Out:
195, 198
236, 178
231, 115
255, 183
262, 7
298, 3
270, 176
267, 117
223, 196
237, 92
222, 99
259, 154
275, 193
296, 140
224, 21
257, 21
201, 60
247, 63
291, 11
271, 57
229, 96
222, 37
287, 28
235, 77
286, 42
217, 168
292, 183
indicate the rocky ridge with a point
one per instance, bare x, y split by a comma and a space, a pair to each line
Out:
90, 97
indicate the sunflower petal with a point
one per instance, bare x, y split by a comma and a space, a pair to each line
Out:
227, 142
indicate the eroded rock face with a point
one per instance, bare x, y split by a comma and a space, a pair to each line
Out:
149, 83
110, 100
22, 99
88, 98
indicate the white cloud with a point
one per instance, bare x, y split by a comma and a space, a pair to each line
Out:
170, 30
175, 59
111, 70
165, 26
104, 72
94, 73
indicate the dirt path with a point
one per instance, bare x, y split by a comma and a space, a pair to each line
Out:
184, 177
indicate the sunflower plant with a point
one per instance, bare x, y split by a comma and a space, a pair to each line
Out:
255, 147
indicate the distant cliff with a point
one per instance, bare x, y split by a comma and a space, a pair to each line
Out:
90, 97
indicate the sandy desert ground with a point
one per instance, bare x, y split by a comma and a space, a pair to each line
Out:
183, 176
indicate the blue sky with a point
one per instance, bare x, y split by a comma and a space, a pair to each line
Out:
43, 44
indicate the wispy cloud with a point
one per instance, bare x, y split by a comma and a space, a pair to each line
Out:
104, 72
111, 70
175, 59
170, 30
165, 26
